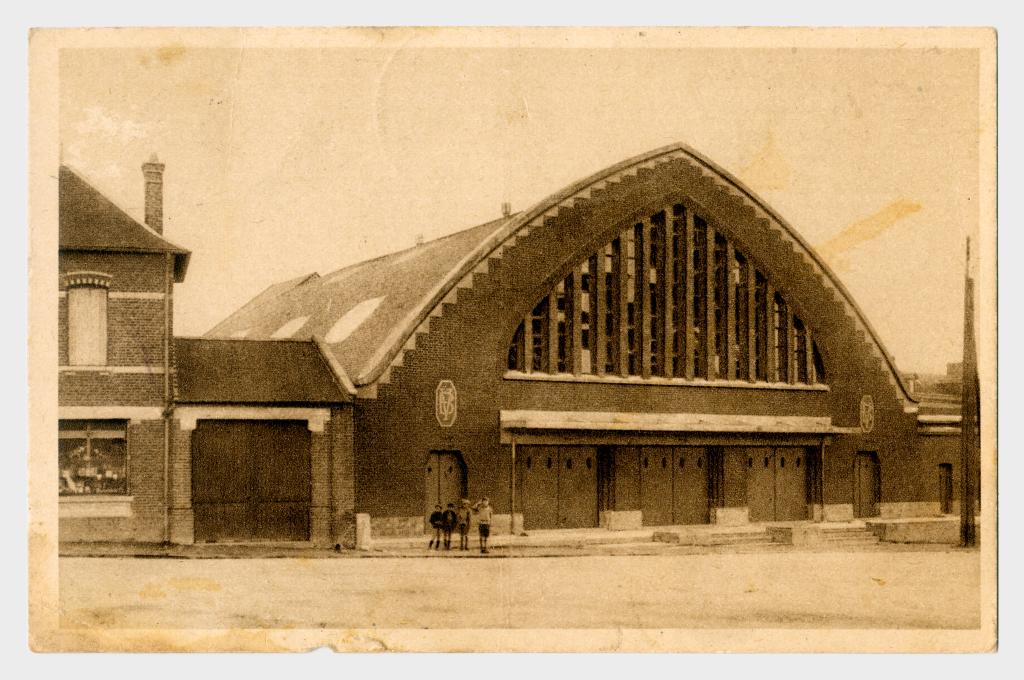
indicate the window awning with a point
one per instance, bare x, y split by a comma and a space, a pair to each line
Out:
664, 422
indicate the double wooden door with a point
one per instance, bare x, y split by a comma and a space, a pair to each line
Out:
444, 480
558, 486
777, 484
251, 480
673, 484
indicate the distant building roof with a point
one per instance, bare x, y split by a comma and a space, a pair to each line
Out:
355, 308
91, 221
256, 372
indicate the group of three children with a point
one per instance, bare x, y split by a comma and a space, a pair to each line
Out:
444, 522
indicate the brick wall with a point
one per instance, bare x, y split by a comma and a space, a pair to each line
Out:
342, 481
96, 388
146, 488
135, 332
468, 345
135, 338
130, 272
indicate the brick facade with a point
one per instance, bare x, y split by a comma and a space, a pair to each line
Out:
467, 344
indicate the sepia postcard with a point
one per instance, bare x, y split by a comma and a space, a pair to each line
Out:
512, 339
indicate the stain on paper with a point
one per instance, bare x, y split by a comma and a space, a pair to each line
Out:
865, 230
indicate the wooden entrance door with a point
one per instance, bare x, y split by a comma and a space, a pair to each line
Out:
539, 487
866, 487
690, 485
251, 480
761, 484
777, 484
945, 488
790, 484
558, 486
445, 480
577, 487
656, 484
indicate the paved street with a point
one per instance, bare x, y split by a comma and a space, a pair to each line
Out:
868, 589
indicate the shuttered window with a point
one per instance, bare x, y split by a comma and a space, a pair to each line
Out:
87, 319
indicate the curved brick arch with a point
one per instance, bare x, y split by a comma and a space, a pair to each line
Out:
629, 188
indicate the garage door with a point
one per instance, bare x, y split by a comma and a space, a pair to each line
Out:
251, 480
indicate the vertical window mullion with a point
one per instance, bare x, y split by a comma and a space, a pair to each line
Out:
790, 346
730, 315
709, 304
666, 266
678, 319
622, 308
577, 322
689, 308
751, 275
809, 356
527, 362
642, 236
771, 341
552, 330
614, 308
599, 340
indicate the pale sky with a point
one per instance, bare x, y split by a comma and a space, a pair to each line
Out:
282, 162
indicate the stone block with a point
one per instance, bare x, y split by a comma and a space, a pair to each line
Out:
730, 516
621, 520
837, 512
500, 522
364, 536
665, 537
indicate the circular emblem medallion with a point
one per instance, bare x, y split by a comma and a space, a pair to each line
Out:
446, 403
867, 413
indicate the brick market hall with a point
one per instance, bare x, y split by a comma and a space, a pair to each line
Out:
650, 346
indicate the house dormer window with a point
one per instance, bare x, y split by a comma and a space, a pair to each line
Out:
87, 318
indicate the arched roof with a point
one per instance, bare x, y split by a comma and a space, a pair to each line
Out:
413, 284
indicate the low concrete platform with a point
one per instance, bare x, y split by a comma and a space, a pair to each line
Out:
938, 530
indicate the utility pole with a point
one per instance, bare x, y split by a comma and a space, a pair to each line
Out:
969, 415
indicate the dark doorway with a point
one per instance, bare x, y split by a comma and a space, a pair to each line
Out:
866, 484
444, 480
251, 480
945, 488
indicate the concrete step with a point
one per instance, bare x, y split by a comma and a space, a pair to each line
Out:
852, 539
723, 539
848, 536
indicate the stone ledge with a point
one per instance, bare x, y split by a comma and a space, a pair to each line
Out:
71, 507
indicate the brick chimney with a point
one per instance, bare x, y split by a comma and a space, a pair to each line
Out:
153, 171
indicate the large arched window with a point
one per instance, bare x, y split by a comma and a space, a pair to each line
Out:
668, 297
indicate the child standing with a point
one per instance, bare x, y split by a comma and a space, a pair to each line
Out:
448, 520
464, 516
436, 518
483, 521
